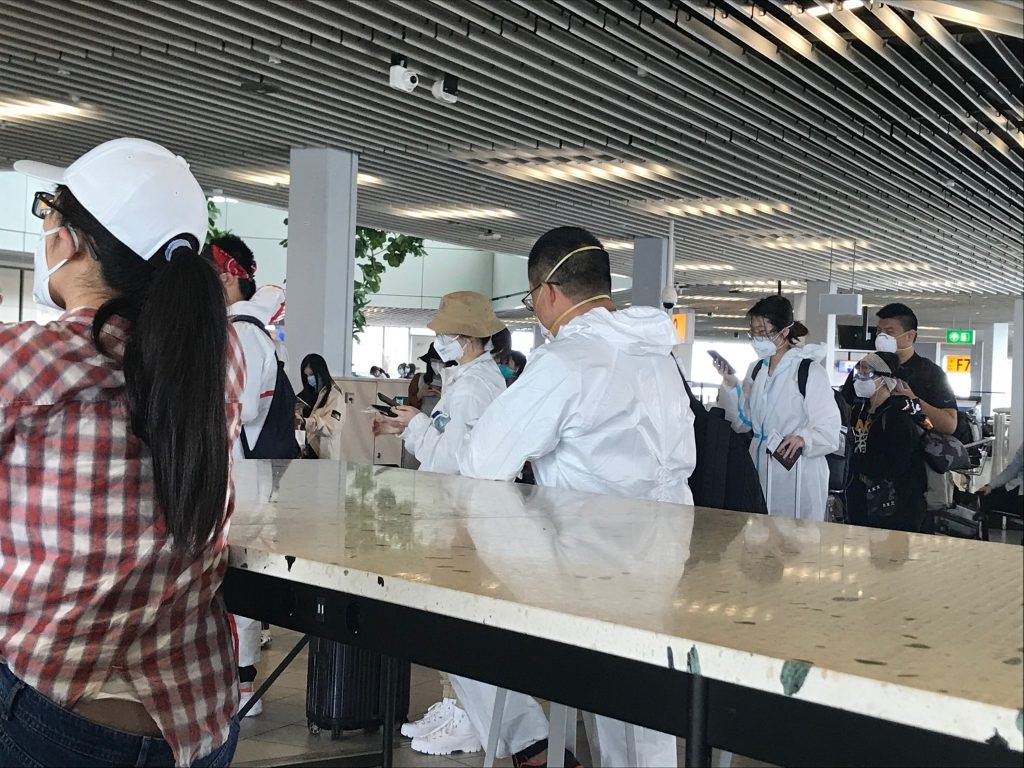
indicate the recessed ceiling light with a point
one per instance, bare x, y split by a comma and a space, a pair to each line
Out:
457, 213
848, 5
37, 110
711, 206
790, 243
580, 170
282, 179
763, 283
876, 266
705, 267
617, 245
684, 298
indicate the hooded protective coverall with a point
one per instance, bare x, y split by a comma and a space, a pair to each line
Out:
601, 409
468, 389
266, 305
772, 407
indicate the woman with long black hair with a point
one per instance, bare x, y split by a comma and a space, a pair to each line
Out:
320, 410
116, 422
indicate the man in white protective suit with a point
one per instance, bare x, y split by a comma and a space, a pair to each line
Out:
601, 408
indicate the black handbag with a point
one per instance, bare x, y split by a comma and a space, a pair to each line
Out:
944, 453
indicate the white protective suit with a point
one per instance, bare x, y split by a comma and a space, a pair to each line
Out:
467, 391
260, 364
575, 542
600, 409
772, 407
266, 305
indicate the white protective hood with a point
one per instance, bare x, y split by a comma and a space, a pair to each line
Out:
635, 331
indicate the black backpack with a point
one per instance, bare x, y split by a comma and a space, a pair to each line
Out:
277, 438
839, 462
725, 477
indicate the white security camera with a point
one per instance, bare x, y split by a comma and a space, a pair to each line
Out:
401, 78
446, 89
668, 297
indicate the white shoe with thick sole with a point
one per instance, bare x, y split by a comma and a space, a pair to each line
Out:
458, 735
246, 692
437, 716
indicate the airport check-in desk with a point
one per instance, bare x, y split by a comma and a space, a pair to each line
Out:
789, 641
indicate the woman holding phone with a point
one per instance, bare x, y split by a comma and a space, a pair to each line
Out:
787, 404
470, 335
320, 410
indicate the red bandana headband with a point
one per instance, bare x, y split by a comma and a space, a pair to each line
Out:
227, 263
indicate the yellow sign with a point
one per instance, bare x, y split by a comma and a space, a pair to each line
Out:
958, 364
679, 319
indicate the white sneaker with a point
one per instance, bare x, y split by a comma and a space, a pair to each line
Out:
457, 735
245, 693
437, 716
265, 639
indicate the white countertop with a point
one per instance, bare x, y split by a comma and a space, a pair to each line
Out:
922, 630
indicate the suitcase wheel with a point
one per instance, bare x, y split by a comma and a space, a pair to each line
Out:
314, 729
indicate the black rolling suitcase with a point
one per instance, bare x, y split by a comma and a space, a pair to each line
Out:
345, 688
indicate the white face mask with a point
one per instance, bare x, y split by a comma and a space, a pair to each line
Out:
41, 277
763, 346
885, 343
437, 367
448, 348
864, 387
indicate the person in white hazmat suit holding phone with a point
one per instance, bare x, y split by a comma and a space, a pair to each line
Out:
789, 427
601, 408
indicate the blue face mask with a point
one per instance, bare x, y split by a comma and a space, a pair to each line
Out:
507, 372
311, 380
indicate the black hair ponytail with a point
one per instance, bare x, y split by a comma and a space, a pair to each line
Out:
501, 344
175, 366
778, 311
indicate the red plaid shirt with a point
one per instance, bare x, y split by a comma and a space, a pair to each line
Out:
89, 584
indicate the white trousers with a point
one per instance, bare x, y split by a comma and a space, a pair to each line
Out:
248, 631
524, 724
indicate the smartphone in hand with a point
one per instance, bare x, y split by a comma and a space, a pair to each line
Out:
719, 360
384, 409
390, 401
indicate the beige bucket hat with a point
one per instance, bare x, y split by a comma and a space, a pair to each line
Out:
466, 313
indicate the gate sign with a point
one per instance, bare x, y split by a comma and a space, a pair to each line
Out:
958, 364
959, 336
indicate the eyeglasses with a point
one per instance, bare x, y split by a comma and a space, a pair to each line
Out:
43, 205
527, 298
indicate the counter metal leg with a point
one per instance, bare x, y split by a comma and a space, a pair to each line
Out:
390, 705
698, 752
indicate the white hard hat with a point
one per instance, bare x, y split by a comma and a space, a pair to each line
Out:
143, 194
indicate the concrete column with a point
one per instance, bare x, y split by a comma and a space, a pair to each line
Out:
651, 263
321, 256
994, 363
822, 326
1017, 382
538, 337
929, 350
